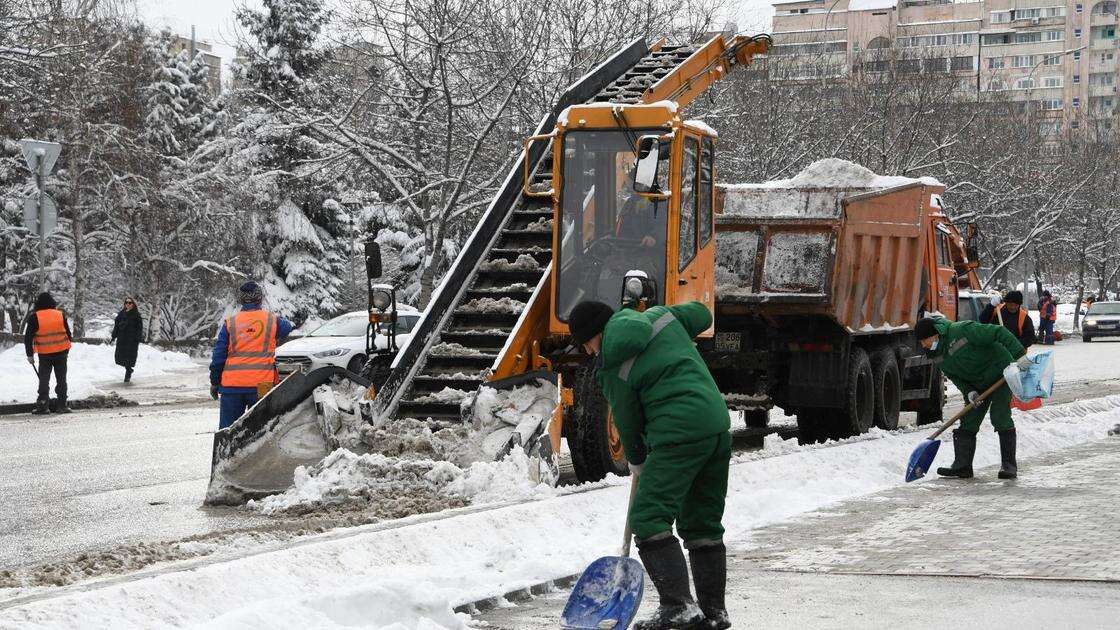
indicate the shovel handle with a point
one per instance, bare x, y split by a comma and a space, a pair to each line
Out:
967, 408
626, 533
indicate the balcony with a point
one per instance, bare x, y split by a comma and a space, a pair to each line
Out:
1102, 19
1102, 90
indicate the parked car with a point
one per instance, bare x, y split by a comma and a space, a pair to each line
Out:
971, 303
1101, 320
341, 341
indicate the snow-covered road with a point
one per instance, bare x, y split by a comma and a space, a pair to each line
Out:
136, 477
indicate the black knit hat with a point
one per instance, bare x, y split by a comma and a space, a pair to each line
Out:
45, 301
250, 293
1015, 297
925, 329
587, 320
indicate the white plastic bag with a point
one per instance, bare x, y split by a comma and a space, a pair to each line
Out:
1037, 381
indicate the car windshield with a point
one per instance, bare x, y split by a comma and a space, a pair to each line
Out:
606, 229
343, 326
1105, 308
405, 323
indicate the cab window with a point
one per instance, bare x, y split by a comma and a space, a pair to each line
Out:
706, 171
687, 230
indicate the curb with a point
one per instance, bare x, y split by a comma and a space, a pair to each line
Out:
487, 604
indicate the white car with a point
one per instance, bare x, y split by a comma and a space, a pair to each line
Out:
341, 341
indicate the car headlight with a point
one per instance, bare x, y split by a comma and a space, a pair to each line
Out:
1090, 322
336, 352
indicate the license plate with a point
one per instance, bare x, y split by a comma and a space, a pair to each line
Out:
1106, 326
728, 342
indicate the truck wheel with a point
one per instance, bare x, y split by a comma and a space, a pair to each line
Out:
888, 389
857, 415
594, 442
932, 408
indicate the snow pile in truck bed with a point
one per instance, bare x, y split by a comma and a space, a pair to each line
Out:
454, 350
524, 262
837, 173
87, 365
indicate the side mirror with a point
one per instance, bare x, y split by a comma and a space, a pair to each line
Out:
645, 173
373, 259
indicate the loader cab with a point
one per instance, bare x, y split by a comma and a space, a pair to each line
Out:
607, 229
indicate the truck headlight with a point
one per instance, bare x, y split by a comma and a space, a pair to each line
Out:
336, 352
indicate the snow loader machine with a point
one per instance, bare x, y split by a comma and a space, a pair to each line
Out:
615, 200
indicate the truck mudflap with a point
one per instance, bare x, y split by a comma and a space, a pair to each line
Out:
258, 455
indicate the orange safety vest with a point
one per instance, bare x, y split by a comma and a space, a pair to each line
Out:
50, 336
1022, 318
251, 357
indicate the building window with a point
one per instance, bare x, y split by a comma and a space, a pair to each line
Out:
1052, 82
1076, 79
1104, 8
1102, 78
1078, 8
1075, 124
1026, 14
1022, 61
998, 39
1055, 35
1077, 55
1054, 60
1077, 33
963, 63
1001, 17
995, 63
1076, 102
1025, 83
1051, 104
996, 85
1054, 12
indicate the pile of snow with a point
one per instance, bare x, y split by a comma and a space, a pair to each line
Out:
416, 571
454, 350
491, 305
445, 395
543, 224
837, 173
524, 262
87, 366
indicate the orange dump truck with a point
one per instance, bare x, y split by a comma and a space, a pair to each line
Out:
819, 282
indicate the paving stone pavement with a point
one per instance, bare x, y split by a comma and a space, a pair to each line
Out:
1058, 520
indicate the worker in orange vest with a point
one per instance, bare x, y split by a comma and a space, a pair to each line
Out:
1010, 314
48, 335
244, 359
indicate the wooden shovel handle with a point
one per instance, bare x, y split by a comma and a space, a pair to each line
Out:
627, 534
967, 408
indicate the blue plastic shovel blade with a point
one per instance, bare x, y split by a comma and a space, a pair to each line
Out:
607, 595
921, 459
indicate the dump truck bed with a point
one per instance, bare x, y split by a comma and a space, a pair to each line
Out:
853, 253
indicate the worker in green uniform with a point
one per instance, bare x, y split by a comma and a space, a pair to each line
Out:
675, 430
973, 356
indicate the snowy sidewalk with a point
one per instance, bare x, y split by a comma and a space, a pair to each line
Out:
1036, 552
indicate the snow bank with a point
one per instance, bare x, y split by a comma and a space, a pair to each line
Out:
837, 173
410, 574
88, 365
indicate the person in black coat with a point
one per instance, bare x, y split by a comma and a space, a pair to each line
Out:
127, 331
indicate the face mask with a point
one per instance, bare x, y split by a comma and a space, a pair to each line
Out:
933, 347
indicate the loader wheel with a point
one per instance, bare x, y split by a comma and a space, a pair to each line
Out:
858, 412
811, 425
593, 440
888, 389
932, 408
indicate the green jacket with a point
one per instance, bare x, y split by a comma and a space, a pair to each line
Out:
973, 355
658, 386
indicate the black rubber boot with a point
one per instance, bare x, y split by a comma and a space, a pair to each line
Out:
709, 574
964, 447
128, 375
1007, 469
665, 565
62, 407
42, 407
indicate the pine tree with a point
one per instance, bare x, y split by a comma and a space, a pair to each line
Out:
167, 122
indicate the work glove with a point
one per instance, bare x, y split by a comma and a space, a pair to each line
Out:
996, 299
635, 469
31, 359
972, 397
214, 392
1024, 363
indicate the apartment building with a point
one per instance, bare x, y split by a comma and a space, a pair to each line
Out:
213, 62
1060, 54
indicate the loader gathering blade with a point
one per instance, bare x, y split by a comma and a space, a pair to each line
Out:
257, 455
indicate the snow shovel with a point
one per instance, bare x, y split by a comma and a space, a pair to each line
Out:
609, 591
922, 457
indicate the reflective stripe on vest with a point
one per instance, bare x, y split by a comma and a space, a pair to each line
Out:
50, 336
250, 360
658, 326
1022, 318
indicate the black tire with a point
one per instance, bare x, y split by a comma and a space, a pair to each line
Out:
357, 363
932, 409
857, 415
888, 389
590, 437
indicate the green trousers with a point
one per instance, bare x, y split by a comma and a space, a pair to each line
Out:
1000, 405
685, 484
